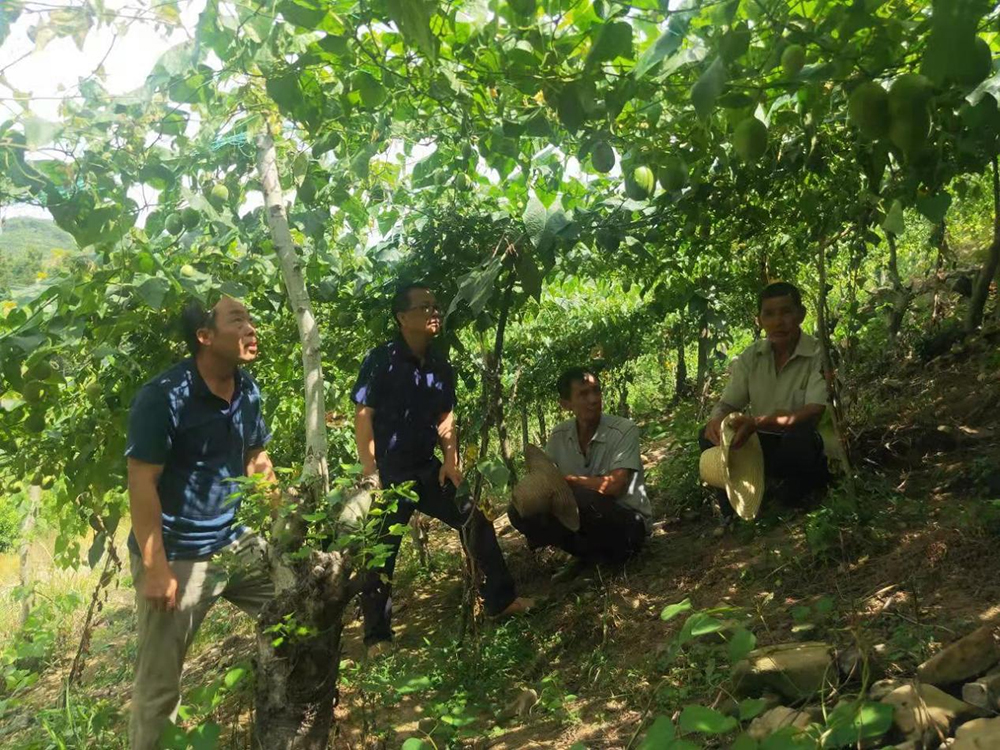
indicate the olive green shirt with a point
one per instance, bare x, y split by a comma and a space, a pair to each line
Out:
756, 386
615, 445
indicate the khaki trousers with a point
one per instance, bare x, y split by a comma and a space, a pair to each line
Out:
238, 574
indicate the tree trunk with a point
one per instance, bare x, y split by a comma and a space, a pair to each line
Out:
525, 434
681, 385
497, 405
296, 681
543, 433
901, 295
704, 349
981, 289
937, 311
24, 552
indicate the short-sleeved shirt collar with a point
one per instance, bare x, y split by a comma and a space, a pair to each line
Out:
807, 346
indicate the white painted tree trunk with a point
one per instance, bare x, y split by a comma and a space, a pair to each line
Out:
26, 535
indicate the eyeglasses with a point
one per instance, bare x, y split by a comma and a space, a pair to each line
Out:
427, 309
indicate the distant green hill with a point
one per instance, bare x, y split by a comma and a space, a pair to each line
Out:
29, 247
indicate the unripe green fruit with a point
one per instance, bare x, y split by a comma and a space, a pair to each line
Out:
642, 184
47, 482
462, 181
35, 422
188, 270
868, 110
673, 174
602, 157
792, 60
42, 370
978, 63
909, 133
191, 217
909, 93
735, 43
33, 392
174, 224
220, 194
750, 139
608, 240
93, 389
468, 151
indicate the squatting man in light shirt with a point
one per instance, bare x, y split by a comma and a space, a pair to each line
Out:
599, 455
778, 385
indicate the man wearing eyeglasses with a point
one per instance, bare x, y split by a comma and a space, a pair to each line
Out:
405, 398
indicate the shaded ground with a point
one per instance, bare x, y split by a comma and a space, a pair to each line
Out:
907, 567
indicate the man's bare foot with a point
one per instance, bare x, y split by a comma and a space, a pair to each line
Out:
520, 606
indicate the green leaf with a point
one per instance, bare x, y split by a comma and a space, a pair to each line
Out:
744, 742
96, 551
668, 43
153, 291
706, 720
700, 624
672, 610
751, 708
413, 18
543, 224
934, 207
39, 132
205, 736
415, 743
530, 275
414, 685
234, 676
894, 222
659, 735
788, 738
850, 724
708, 87
741, 644
613, 40
495, 472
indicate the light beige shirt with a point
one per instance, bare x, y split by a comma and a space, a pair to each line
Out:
615, 445
757, 386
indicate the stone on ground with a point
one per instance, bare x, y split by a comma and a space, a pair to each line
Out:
778, 718
965, 658
796, 671
924, 712
984, 692
978, 734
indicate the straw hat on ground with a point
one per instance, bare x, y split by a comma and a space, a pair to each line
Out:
739, 471
544, 489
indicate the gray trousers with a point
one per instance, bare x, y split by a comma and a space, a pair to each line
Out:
238, 574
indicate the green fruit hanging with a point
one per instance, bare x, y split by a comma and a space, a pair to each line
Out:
641, 185
793, 59
750, 139
673, 174
35, 422
868, 110
191, 217
602, 157
219, 194
909, 112
174, 224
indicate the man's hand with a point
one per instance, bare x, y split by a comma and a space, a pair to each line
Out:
450, 471
713, 430
159, 587
744, 427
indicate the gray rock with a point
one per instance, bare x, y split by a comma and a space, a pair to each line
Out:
778, 718
967, 657
882, 688
796, 671
984, 693
923, 712
978, 734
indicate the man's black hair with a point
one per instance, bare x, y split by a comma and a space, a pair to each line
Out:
573, 375
401, 298
780, 289
194, 317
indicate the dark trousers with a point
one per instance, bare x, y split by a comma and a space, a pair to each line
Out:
795, 456
609, 532
478, 538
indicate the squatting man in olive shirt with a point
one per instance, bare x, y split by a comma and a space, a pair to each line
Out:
778, 385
